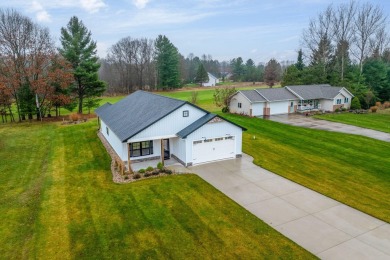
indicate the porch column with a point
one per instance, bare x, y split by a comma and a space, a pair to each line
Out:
162, 151
128, 158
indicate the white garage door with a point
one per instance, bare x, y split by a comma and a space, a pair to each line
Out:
213, 149
279, 108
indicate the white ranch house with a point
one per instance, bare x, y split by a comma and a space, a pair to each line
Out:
213, 81
145, 126
290, 99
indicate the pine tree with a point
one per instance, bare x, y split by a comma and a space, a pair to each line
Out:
300, 65
167, 61
201, 75
80, 50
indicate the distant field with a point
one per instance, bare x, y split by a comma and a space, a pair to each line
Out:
58, 201
378, 121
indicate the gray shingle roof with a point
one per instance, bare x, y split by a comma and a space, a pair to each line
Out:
315, 91
276, 94
135, 112
253, 96
199, 123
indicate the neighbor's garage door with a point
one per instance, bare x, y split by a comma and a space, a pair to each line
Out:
279, 107
213, 149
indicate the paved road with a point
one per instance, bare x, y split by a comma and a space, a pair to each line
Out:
309, 122
325, 227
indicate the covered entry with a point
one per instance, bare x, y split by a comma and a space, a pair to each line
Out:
213, 149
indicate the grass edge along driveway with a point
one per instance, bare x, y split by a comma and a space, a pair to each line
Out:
352, 169
58, 201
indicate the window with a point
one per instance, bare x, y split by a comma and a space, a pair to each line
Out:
229, 137
218, 139
239, 105
107, 131
346, 100
208, 140
338, 101
141, 148
186, 113
198, 142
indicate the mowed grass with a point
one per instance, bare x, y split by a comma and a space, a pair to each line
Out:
352, 169
59, 202
378, 121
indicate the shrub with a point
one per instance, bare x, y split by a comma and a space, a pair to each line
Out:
337, 110
167, 171
141, 170
147, 174
386, 104
160, 166
355, 103
194, 98
137, 176
343, 109
156, 172
149, 169
225, 109
374, 109
74, 117
378, 104
126, 177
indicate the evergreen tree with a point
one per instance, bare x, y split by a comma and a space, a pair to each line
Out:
167, 62
80, 50
201, 75
300, 65
355, 103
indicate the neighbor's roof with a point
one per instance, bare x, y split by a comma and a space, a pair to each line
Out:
315, 91
199, 123
252, 95
136, 112
276, 94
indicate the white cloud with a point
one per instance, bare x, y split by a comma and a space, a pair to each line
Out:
41, 14
253, 50
140, 4
92, 6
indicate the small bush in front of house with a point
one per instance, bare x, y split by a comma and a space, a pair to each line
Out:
343, 109
126, 177
168, 171
337, 110
160, 166
147, 174
149, 169
225, 109
156, 172
374, 109
137, 176
141, 170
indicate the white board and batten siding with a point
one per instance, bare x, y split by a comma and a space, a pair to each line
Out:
119, 147
227, 148
171, 124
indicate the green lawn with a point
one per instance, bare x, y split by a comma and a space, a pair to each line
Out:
378, 121
58, 202
352, 169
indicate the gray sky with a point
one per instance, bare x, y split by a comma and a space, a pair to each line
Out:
225, 29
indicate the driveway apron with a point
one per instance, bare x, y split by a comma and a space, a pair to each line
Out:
309, 122
323, 226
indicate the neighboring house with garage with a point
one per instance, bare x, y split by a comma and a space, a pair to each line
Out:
145, 126
213, 81
290, 99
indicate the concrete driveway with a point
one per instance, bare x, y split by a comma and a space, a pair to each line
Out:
325, 227
310, 122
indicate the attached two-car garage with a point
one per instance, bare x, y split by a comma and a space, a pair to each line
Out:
213, 149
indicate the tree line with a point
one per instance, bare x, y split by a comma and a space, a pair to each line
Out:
346, 45
39, 78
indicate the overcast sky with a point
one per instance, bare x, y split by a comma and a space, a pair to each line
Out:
225, 29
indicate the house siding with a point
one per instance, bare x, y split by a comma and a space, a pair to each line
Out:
214, 130
245, 105
114, 141
171, 124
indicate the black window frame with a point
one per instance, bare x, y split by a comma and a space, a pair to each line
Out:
107, 130
186, 113
239, 105
143, 148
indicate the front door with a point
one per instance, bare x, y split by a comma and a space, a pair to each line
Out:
167, 153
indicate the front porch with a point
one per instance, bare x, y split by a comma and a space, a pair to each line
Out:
136, 166
308, 105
